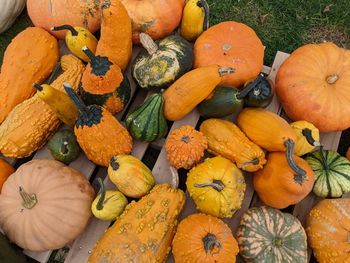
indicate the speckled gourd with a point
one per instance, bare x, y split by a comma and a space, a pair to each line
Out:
144, 232
31, 123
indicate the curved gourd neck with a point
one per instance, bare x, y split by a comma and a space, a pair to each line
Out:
66, 27
307, 133
100, 202
29, 200
210, 242
203, 4
300, 174
148, 43
99, 65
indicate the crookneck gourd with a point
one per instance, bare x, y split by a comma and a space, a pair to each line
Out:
308, 137
162, 62
104, 84
143, 233
29, 58
226, 139
217, 187
185, 147
268, 235
99, 134
31, 123
204, 238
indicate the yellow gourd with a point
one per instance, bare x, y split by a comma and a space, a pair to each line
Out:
308, 137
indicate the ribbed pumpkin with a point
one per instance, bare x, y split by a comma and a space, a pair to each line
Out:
204, 238
143, 233
328, 228
231, 44
5, 171
318, 74
268, 235
308, 137
45, 205
217, 187
332, 172
227, 140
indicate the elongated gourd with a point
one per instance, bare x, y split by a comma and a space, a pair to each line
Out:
144, 232
31, 123
30, 57
192, 88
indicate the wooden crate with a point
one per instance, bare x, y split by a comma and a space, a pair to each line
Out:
80, 249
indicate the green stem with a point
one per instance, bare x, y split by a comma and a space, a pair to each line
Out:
114, 163
54, 73
244, 92
209, 242
38, 87
255, 161
216, 184
300, 174
90, 54
64, 147
29, 200
75, 98
65, 27
99, 205
307, 133
203, 4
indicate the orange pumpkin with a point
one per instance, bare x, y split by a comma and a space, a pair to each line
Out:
313, 84
231, 44
49, 13
157, 18
5, 171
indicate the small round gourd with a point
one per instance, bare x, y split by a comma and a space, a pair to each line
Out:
308, 137
64, 147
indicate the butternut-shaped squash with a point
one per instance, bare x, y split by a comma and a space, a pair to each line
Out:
191, 89
30, 57
31, 123
226, 139
143, 233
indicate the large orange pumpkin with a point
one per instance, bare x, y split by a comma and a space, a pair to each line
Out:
157, 18
313, 84
5, 171
50, 13
231, 44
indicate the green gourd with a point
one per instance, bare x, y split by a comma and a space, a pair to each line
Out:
64, 147
260, 92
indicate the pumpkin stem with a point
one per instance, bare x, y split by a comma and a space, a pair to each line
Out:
216, 184
65, 27
64, 148
75, 98
99, 65
300, 174
308, 135
332, 79
29, 200
148, 43
244, 92
278, 242
105, 4
226, 70
38, 87
186, 139
99, 205
114, 163
255, 161
203, 4
210, 242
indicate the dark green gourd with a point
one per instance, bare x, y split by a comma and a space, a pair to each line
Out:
260, 92
64, 147
147, 122
8, 253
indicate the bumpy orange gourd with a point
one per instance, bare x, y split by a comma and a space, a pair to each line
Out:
30, 57
204, 238
185, 147
157, 18
227, 140
313, 85
49, 13
143, 233
328, 230
5, 171
231, 44
282, 183
31, 123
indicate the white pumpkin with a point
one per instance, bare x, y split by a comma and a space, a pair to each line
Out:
9, 10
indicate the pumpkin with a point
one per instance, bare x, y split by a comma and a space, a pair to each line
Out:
317, 73
99, 134
308, 137
29, 58
45, 205
226, 139
5, 171
10, 10
204, 238
109, 204
185, 147
147, 122
268, 235
115, 41
191, 89
10, 254
63, 146
217, 187
258, 93
161, 62
332, 172
195, 19
147, 18
230, 44
327, 228
131, 176
283, 181
31, 123
143, 233
104, 84
47, 14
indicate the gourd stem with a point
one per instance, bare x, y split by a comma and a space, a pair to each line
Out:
185, 139
75, 98
255, 161
105, 4
38, 87
216, 184
307, 133
332, 79
203, 4
244, 92
148, 43
90, 54
54, 73
99, 205
64, 148
226, 70
209, 242
65, 27
29, 200
300, 174
114, 163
